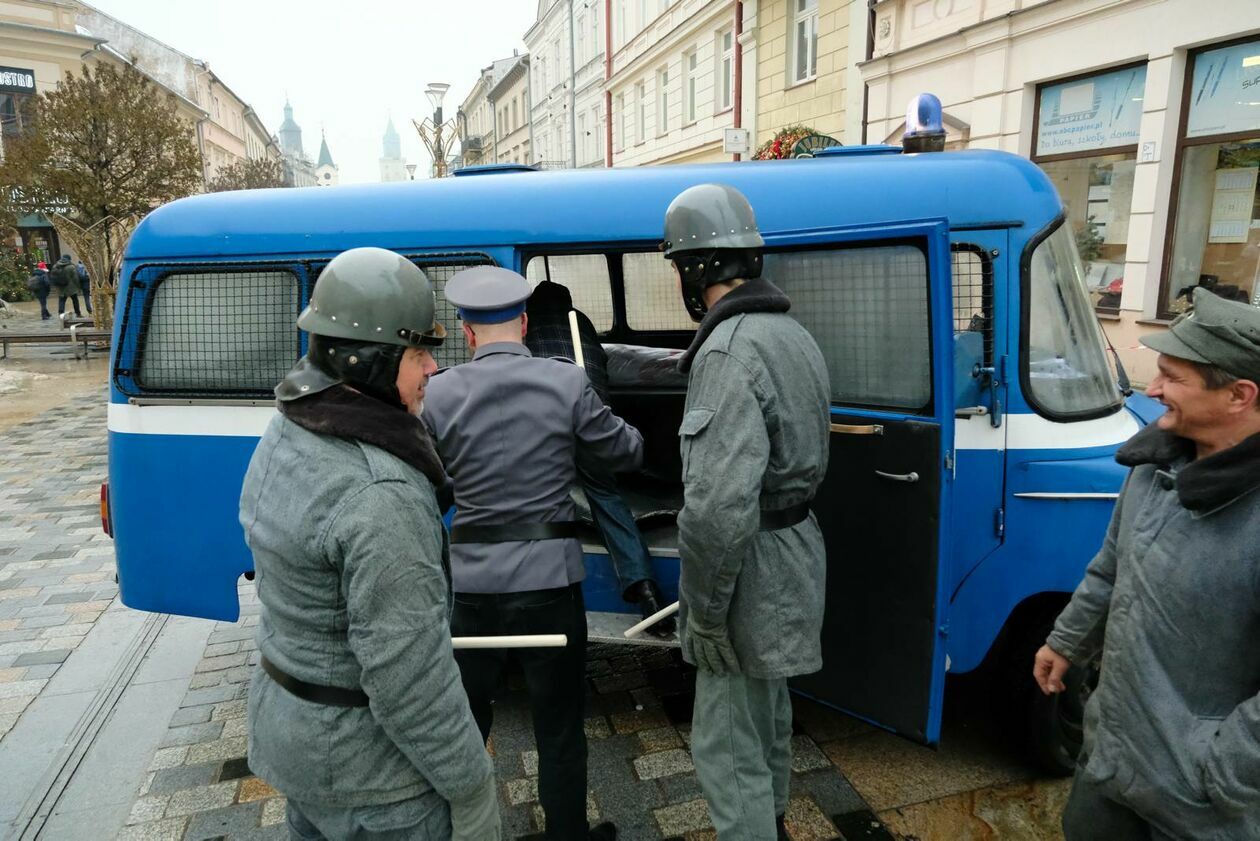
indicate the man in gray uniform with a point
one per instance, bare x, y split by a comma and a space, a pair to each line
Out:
356, 713
508, 427
754, 451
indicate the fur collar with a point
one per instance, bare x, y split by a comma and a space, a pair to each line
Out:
757, 295
1202, 484
342, 412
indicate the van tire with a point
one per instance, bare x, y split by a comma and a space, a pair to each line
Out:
1049, 727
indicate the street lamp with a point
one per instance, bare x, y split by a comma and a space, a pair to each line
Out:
431, 130
411, 171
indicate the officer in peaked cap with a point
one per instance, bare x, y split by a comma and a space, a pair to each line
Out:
508, 426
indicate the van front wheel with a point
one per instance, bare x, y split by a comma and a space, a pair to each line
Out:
1051, 727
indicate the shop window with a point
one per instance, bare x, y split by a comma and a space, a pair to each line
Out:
1086, 142
17, 114
1214, 237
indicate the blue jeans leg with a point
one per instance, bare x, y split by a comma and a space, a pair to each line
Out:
626, 547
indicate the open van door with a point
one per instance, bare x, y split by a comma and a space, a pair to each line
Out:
879, 304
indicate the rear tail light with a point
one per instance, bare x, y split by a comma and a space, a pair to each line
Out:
106, 526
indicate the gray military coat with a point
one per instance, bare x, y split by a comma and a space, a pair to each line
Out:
754, 436
1173, 603
508, 426
349, 554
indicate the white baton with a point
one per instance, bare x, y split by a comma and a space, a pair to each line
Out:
524, 641
577, 340
651, 620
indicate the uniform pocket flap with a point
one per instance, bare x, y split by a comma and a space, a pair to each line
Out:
694, 422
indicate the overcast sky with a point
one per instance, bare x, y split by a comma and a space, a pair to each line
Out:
345, 65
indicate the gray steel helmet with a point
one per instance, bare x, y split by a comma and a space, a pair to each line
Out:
373, 295
710, 216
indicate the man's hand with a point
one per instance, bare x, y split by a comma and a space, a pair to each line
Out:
709, 647
1049, 666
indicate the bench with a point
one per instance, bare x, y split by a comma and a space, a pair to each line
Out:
76, 337
68, 320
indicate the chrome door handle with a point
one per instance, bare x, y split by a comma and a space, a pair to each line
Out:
898, 477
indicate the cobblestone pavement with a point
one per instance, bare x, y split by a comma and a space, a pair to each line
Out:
638, 709
56, 565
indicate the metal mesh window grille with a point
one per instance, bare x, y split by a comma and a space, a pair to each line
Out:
586, 278
868, 310
652, 298
213, 332
973, 294
454, 350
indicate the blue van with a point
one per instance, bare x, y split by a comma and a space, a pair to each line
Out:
974, 413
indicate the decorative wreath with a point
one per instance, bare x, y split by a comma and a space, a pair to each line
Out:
780, 146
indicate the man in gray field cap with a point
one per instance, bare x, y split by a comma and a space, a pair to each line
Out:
1172, 604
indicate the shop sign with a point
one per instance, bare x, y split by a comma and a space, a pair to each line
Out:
1099, 112
17, 80
1225, 92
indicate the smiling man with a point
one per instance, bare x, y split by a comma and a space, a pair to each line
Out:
1172, 602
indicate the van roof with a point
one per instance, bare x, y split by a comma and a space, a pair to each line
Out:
969, 188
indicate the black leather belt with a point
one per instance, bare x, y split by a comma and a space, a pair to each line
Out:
513, 533
786, 518
331, 696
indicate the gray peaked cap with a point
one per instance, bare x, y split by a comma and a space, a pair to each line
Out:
488, 294
710, 216
373, 295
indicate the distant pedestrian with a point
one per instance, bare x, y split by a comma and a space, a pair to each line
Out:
86, 283
38, 284
1171, 604
65, 281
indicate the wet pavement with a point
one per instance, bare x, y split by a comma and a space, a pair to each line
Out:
120, 724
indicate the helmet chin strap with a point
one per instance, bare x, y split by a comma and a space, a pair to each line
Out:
367, 367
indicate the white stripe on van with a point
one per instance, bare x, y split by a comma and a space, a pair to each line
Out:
1018, 432
240, 421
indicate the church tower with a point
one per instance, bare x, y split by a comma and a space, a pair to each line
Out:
290, 133
393, 166
326, 174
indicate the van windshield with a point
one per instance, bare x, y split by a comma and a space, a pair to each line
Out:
1067, 373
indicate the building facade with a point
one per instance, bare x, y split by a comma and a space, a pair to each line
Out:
40, 42
510, 100
393, 164
676, 80
806, 69
476, 120
298, 169
1144, 113
567, 46
227, 134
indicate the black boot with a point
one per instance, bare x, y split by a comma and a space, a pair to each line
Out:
648, 597
606, 831
778, 822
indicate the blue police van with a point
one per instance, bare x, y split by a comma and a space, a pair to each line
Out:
974, 414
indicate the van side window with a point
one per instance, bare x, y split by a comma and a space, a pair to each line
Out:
867, 307
453, 351
973, 294
585, 276
220, 331
653, 301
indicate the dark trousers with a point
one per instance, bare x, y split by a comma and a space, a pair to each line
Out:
61, 304
42, 295
626, 547
555, 679
1091, 816
87, 299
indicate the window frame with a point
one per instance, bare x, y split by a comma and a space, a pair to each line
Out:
1162, 310
691, 85
640, 113
662, 101
793, 50
1036, 158
724, 71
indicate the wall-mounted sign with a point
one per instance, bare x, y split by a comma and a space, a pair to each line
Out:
1098, 112
17, 80
735, 141
1225, 92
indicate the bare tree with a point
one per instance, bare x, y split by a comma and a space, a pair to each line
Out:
248, 175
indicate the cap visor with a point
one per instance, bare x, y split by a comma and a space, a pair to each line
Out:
1168, 343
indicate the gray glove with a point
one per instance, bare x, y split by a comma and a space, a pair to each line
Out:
476, 817
709, 647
